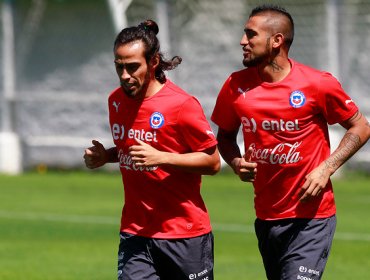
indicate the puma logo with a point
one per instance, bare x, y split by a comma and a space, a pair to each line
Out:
116, 105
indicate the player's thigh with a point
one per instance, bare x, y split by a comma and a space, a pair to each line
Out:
269, 245
134, 259
308, 253
188, 258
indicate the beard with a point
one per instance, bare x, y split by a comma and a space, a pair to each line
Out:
254, 61
137, 91
257, 59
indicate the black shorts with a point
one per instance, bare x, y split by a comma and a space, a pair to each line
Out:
166, 259
295, 248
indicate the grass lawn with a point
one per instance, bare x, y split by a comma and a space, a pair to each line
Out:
64, 225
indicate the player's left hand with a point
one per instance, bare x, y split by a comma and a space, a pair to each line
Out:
144, 155
315, 183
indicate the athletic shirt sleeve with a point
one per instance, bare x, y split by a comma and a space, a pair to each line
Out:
224, 114
335, 104
194, 127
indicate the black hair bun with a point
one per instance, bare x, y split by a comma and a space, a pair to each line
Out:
150, 25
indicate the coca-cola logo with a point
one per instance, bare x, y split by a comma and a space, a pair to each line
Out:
126, 162
283, 153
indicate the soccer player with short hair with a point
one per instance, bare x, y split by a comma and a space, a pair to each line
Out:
163, 144
284, 108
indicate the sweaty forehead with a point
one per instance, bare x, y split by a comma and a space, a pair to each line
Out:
133, 49
136, 45
257, 22
266, 21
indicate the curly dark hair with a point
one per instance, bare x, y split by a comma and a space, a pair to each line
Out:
147, 32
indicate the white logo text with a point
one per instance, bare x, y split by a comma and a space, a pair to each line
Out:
118, 132
280, 154
125, 161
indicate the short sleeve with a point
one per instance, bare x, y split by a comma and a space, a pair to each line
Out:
335, 104
194, 127
224, 115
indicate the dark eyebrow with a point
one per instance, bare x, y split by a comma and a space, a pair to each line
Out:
130, 63
249, 30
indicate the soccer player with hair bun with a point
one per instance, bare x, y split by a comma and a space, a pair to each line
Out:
163, 144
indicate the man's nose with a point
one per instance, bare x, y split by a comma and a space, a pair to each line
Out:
244, 41
125, 75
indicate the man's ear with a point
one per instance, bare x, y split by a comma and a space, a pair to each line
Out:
278, 40
155, 61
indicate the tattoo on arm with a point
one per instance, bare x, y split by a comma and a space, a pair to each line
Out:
347, 147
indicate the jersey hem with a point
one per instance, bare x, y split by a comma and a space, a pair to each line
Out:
321, 216
170, 236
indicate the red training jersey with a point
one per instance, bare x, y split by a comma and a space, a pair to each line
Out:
160, 201
286, 124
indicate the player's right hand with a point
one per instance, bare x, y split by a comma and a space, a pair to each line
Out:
96, 155
246, 169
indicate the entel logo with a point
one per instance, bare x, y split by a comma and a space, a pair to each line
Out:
201, 274
267, 125
249, 125
118, 132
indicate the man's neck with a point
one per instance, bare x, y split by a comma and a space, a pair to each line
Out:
275, 70
153, 87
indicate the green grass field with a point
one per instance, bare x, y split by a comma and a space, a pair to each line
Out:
64, 225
